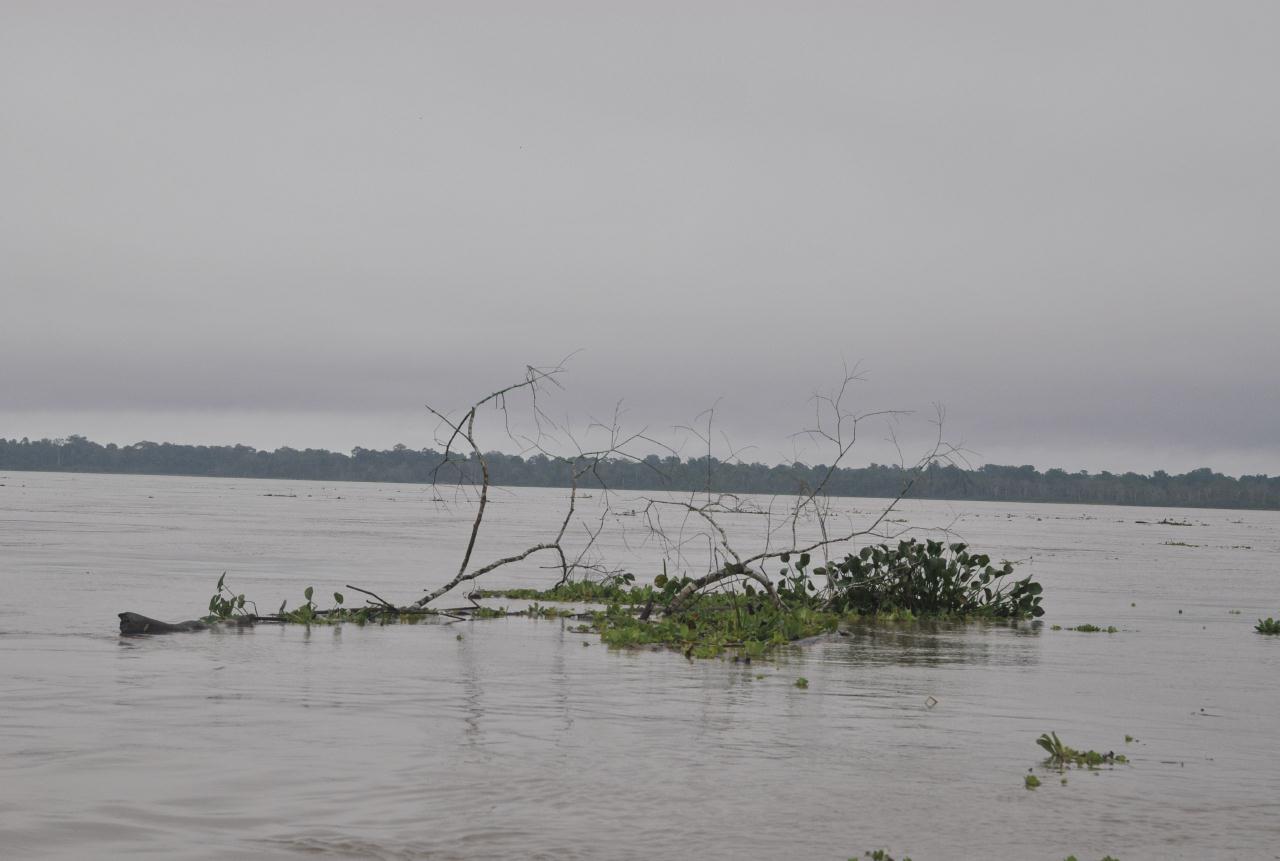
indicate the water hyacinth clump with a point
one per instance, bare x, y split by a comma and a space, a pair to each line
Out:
908, 581
927, 578
1061, 755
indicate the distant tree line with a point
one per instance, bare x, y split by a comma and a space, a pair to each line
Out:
1202, 488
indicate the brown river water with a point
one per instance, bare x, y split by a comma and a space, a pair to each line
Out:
518, 741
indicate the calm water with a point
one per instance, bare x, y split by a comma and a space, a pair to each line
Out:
516, 741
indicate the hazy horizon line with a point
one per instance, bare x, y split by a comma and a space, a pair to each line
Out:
971, 467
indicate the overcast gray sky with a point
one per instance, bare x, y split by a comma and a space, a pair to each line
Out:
293, 223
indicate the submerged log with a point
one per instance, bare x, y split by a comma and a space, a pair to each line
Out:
136, 623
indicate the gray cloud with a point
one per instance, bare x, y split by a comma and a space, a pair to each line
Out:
1057, 219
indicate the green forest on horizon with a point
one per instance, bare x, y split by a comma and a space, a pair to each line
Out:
1199, 488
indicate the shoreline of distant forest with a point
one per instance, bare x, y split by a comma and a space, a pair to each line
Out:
1199, 488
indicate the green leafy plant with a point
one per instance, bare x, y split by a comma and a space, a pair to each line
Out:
226, 604
926, 578
1031, 781
1267, 626
802, 683
308, 613
713, 623
908, 581
1061, 755
489, 613
1053, 746
541, 611
305, 614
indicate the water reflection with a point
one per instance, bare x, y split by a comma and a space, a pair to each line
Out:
933, 643
560, 681
472, 691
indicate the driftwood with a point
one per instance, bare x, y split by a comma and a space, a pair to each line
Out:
136, 624
133, 624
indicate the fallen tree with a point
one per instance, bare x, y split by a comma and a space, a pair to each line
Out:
801, 569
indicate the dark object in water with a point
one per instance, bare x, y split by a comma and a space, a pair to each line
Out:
134, 623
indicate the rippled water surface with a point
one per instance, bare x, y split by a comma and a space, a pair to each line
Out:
515, 740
